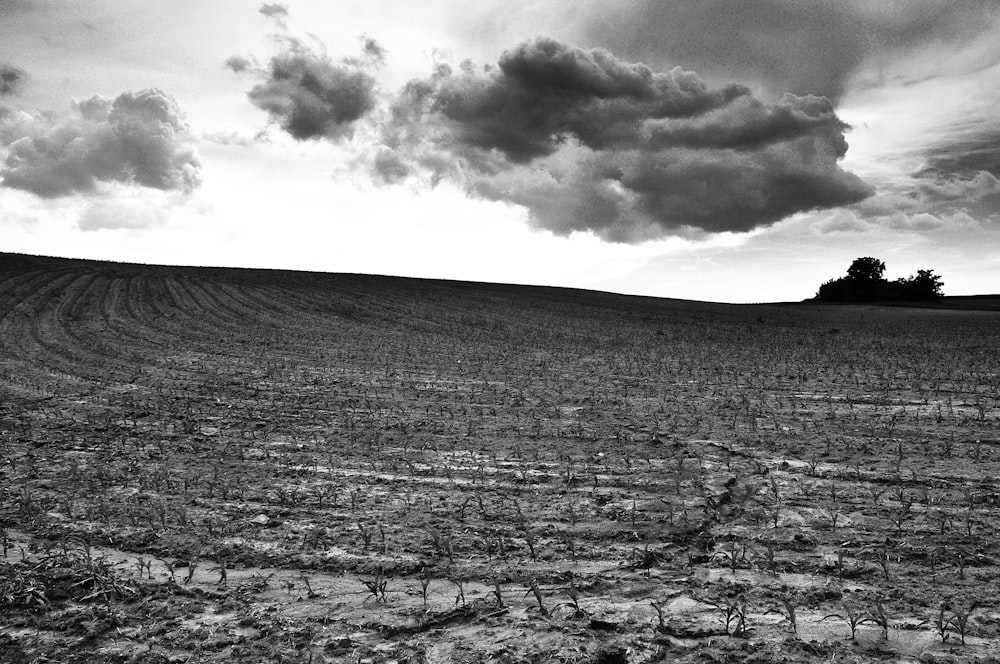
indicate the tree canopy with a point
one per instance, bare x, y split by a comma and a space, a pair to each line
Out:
864, 283
866, 269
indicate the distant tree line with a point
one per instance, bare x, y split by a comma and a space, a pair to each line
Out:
864, 283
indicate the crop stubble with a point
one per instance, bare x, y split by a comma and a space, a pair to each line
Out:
226, 465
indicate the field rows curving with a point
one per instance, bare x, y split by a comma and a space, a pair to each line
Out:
534, 474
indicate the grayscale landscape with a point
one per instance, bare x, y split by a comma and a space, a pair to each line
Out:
511, 331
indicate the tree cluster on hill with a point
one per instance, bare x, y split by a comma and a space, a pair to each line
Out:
864, 283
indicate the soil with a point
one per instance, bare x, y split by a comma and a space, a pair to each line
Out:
207, 465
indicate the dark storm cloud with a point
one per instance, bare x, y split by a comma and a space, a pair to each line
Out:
311, 96
137, 138
11, 80
629, 196
747, 123
798, 46
589, 142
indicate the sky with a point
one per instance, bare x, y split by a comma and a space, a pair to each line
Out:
717, 150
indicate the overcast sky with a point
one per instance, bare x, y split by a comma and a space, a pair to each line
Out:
718, 150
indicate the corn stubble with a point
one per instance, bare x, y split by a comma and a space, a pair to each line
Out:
352, 468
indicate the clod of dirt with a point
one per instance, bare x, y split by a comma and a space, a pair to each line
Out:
613, 655
605, 624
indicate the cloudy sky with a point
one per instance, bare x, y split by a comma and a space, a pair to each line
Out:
706, 149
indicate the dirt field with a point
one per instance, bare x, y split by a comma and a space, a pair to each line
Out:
253, 466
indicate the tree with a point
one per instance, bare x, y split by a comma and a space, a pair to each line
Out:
866, 269
924, 286
864, 283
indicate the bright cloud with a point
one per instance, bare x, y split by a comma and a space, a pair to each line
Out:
137, 138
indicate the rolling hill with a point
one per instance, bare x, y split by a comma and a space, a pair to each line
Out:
245, 465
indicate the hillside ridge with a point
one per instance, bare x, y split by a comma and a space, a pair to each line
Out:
13, 262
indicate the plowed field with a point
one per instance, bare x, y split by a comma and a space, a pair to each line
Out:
202, 465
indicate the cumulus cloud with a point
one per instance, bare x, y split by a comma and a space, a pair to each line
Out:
311, 96
909, 220
272, 9
240, 64
980, 186
11, 80
137, 138
589, 142
275, 11
582, 139
373, 51
388, 167
931, 200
